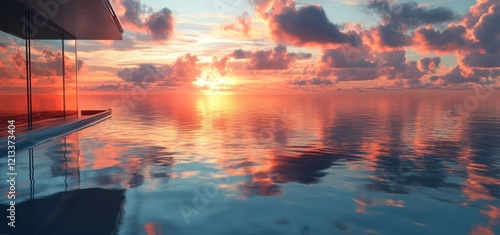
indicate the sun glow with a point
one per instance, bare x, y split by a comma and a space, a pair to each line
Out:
210, 80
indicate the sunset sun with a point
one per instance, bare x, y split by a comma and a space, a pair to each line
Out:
210, 80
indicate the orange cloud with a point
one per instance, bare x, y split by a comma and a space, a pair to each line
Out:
243, 25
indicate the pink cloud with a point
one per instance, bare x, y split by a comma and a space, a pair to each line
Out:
243, 25
184, 70
137, 17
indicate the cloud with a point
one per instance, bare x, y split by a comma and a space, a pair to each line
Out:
307, 25
396, 66
277, 58
139, 18
220, 65
145, 73
429, 65
183, 70
113, 87
350, 74
410, 14
478, 60
50, 65
161, 24
476, 40
312, 82
451, 39
3, 48
46, 66
358, 64
477, 11
18, 60
240, 54
458, 75
133, 12
400, 18
243, 24
391, 36
487, 29
346, 57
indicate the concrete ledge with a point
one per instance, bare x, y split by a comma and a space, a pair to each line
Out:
36, 137
90, 112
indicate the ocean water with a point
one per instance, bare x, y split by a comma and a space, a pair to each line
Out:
384, 162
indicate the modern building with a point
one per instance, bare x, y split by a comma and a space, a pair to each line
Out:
39, 62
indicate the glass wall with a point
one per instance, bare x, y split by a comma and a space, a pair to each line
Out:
13, 92
38, 69
47, 79
70, 78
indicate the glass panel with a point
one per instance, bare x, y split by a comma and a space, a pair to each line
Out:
13, 94
46, 79
70, 72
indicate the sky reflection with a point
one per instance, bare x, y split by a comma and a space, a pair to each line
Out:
312, 164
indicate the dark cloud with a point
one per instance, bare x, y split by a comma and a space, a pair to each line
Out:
352, 74
399, 18
345, 71
473, 16
111, 87
137, 17
312, 82
184, 69
133, 12
487, 30
482, 21
277, 58
48, 64
457, 75
451, 39
346, 58
145, 73
301, 55
161, 24
388, 36
357, 64
476, 40
410, 14
308, 25
345, 64
394, 65
305, 25
478, 60
429, 65
240, 54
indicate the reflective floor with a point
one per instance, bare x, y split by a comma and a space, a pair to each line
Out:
344, 163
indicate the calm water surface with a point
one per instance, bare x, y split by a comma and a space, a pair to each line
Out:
346, 163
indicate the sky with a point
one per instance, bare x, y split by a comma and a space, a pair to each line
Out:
289, 45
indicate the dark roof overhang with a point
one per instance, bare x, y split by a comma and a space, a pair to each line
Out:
77, 19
